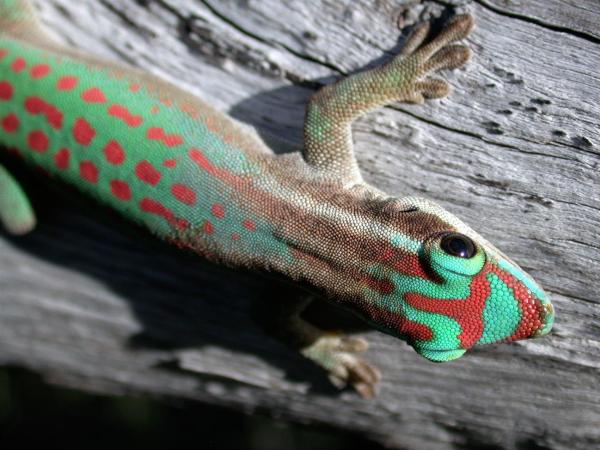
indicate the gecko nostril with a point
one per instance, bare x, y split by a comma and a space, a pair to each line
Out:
547, 320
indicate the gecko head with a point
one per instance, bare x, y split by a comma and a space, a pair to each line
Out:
447, 289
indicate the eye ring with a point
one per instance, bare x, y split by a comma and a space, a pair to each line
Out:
458, 245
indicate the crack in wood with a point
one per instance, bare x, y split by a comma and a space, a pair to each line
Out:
557, 28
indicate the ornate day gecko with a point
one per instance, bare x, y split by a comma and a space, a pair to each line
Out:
198, 179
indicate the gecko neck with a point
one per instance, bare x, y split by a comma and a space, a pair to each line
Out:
322, 234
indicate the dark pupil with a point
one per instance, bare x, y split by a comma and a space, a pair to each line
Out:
458, 245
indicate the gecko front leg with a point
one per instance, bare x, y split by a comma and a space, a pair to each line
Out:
336, 353
331, 111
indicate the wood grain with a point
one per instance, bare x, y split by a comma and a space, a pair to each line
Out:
92, 303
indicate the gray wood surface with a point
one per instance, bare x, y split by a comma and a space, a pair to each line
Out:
92, 303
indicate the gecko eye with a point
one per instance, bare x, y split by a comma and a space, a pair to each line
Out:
459, 245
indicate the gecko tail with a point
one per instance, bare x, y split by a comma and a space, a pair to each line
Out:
18, 18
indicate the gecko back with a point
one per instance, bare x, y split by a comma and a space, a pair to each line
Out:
136, 143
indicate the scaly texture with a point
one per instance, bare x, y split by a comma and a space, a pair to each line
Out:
194, 177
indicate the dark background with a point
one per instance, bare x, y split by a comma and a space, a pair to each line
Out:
35, 413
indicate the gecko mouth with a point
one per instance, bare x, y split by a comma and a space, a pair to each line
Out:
441, 355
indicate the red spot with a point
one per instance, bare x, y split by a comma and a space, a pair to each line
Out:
6, 90
88, 171
38, 141
39, 71
184, 194
134, 87
83, 132
147, 173
120, 189
249, 225
3, 52
154, 207
158, 134
54, 117
114, 153
235, 237
155, 133
208, 227
93, 95
154, 109
122, 113
67, 83
19, 64
62, 158
198, 157
35, 105
10, 123
170, 163
382, 285
232, 179
218, 211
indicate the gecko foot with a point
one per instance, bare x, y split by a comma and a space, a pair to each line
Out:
331, 111
338, 354
16, 213
422, 60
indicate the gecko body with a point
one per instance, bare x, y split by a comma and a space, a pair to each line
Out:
198, 179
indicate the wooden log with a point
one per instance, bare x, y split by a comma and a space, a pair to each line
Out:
92, 303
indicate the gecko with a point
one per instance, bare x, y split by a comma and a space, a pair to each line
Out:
200, 180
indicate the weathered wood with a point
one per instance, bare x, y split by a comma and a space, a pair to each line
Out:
92, 303
578, 17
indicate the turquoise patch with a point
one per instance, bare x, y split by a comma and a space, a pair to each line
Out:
502, 313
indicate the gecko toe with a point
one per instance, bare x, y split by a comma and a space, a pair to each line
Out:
366, 391
457, 28
364, 378
416, 38
449, 57
353, 344
460, 26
